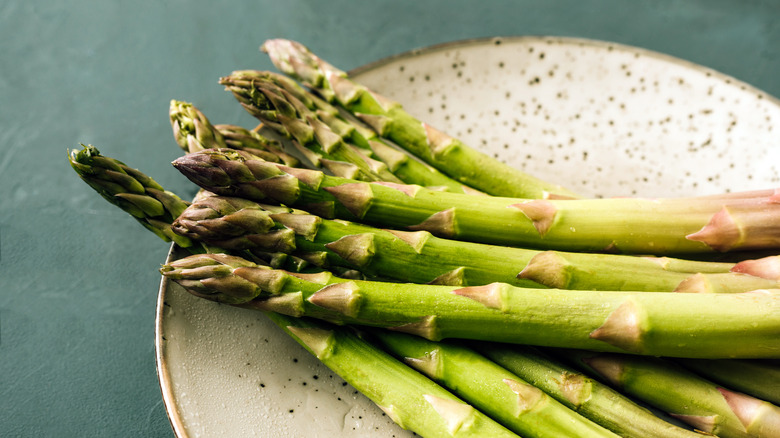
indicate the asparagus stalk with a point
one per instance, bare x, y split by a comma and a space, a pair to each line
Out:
388, 118
193, 132
505, 397
628, 225
585, 395
252, 141
279, 109
410, 399
191, 129
134, 192
248, 88
684, 395
156, 208
759, 378
744, 325
237, 223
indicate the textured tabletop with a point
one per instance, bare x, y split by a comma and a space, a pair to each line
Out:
79, 280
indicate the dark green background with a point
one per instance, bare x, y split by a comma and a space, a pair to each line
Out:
79, 278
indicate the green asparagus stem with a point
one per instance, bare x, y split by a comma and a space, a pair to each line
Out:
589, 397
392, 162
744, 325
508, 399
627, 225
410, 399
132, 191
759, 378
419, 257
388, 118
684, 395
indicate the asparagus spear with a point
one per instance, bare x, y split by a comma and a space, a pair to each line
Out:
249, 87
238, 223
581, 393
694, 400
388, 118
744, 325
643, 226
132, 191
279, 109
759, 378
502, 395
191, 129
410, 399
155, 208
252, 141
193, 132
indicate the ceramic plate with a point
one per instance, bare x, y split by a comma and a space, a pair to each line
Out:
600, 118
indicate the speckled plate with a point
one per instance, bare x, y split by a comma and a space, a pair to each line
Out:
601, 118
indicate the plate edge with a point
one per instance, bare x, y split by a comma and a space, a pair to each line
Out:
163, 375
497, 40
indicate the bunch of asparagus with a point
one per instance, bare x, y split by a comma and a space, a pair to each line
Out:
463, 297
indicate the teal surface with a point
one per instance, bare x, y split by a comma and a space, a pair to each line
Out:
78, 279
